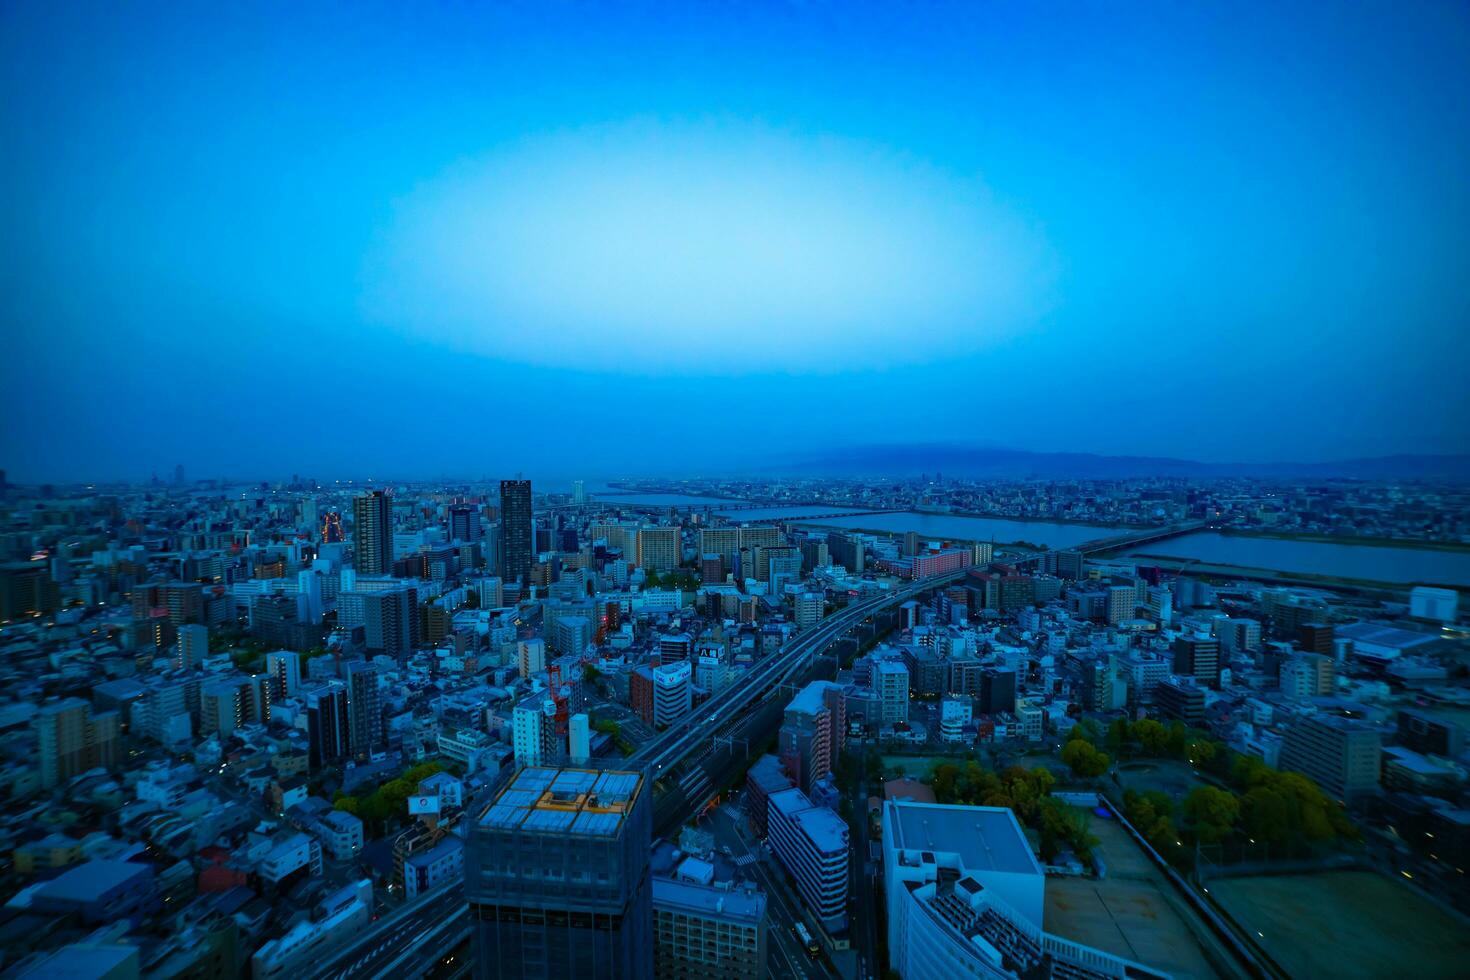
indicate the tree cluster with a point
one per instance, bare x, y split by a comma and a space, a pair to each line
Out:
388, 803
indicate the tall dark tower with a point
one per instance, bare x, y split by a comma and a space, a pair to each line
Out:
372, 533
557, 879
515, 517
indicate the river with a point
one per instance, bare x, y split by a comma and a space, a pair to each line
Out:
1371, 562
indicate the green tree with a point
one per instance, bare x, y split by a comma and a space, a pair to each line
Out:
1084, 760
1211, 813
1152, 737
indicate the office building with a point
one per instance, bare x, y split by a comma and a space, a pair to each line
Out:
1342, 755
672, 692
1182, 700
372, 533
464, 522
707, 931
1198, 657
516, 546
811, 844
70, 739
557, 879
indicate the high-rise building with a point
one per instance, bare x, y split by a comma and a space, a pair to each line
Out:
284, 668
811, 842
659, 548
579, 493
579, 738
533, 731
557, 878
809, 609
846, 550
193, 646
364, 707
891, 682
327, 725
372, 533
1343, 755
464, 522
1198, 657
997, 691
531, 656
389, 619
70, 739
672, 692
517, 552
1181, 700
812, 732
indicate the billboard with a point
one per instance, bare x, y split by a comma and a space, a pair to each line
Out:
423, 804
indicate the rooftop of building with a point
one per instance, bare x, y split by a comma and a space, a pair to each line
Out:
729, 903
809, 699
985, 838
1382, 634
87, 882
565, 801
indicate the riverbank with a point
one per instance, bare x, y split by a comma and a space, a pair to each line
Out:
1368, 542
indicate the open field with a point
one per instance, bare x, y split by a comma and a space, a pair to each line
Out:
1344, 924
1132, 913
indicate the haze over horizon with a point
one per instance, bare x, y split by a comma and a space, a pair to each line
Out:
268, 240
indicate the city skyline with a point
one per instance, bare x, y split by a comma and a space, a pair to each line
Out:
1236, 230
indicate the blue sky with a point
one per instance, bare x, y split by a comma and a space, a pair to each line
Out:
585, 239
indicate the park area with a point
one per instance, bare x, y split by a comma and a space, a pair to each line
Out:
1345, 924
1131, 913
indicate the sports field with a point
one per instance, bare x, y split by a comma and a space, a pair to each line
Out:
1343, 924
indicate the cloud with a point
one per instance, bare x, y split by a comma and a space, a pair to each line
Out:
713, 247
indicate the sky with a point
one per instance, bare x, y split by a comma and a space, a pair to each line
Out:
602, 240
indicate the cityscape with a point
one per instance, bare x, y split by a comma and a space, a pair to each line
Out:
786, 491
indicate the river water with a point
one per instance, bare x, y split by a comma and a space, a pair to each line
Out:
1398, 564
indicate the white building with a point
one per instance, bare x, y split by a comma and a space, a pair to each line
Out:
811, 842
579, 738
672, 692
954, 714
531, 656
1440, 605
965, 898
891, 681
426, 869
533, 726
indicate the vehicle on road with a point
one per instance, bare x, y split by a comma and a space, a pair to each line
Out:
807, 940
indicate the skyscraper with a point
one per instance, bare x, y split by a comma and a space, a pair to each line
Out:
372, 533
515, 518
70, 739
364, 707
557, 879
327, 725
464, 523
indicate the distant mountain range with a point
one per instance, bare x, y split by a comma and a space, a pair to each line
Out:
981, 461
